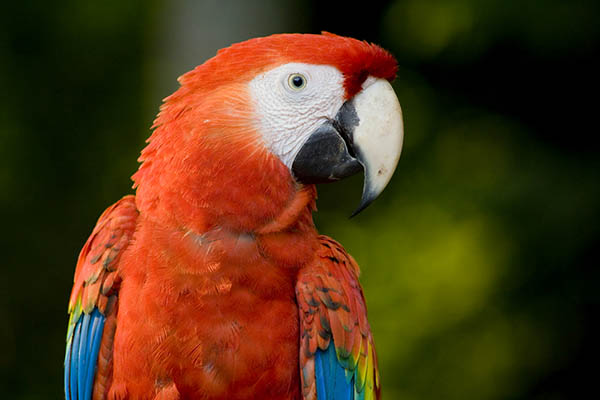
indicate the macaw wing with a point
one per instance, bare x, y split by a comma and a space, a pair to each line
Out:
94, 303
337, 355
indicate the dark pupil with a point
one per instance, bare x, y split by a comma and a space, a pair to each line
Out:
297, 81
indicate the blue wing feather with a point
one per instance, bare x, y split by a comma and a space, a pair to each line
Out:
330, 376
74, 360
68, 368
320, 378
82, 355
83, 342
97, 329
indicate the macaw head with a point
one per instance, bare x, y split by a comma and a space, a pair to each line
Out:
328, 111
320, 107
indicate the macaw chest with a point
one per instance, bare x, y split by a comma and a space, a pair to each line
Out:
220, 320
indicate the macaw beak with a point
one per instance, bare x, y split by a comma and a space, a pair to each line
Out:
366, 134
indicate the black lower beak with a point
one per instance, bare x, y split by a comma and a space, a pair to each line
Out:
328, 154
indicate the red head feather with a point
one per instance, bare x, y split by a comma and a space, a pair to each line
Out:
354, 58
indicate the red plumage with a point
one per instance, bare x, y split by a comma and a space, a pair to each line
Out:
204, 283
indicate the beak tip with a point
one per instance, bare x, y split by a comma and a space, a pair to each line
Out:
367, 198
357, 211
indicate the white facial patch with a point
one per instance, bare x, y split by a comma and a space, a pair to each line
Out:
288, 113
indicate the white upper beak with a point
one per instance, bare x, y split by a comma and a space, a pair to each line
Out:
378, 137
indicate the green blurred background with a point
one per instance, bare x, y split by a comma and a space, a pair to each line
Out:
479, 260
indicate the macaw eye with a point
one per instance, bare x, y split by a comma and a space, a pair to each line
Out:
297, 81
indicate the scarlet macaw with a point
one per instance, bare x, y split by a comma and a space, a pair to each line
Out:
212, 281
